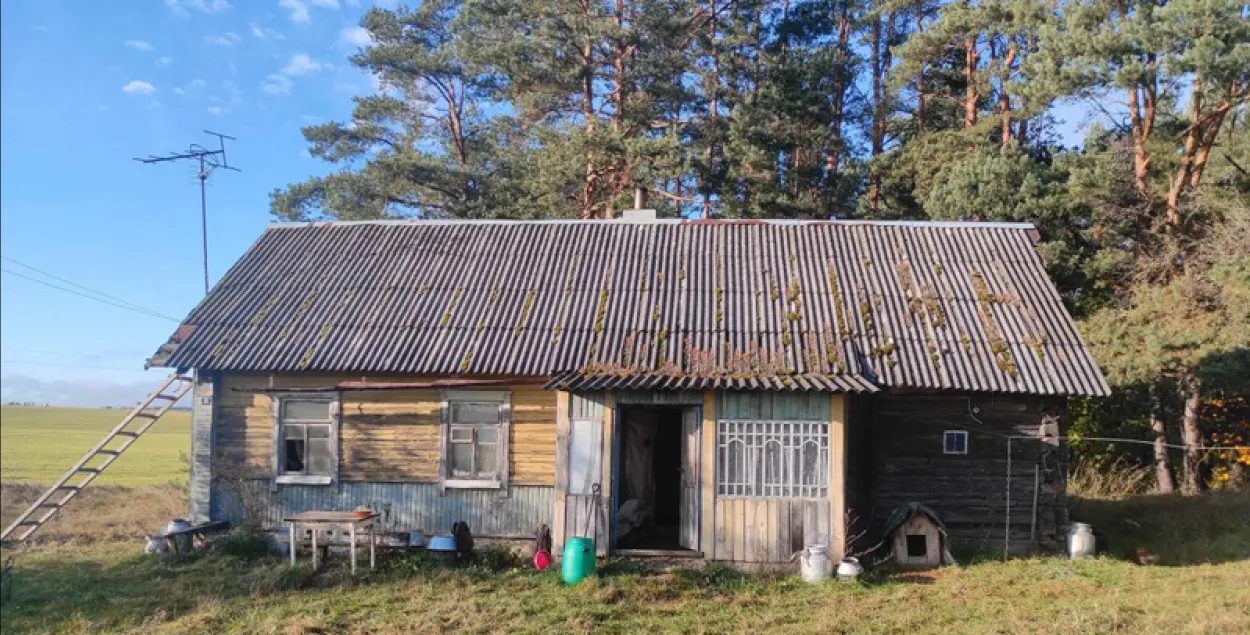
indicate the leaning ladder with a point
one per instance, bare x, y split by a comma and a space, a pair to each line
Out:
145, 415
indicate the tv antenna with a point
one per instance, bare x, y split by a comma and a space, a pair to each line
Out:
209, 160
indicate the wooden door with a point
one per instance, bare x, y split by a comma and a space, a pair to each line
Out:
688, 537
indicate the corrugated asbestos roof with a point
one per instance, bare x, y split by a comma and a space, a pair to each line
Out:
841, 305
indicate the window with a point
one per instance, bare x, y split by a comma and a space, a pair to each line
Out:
772, 459
475, 439
955, 442
306, 439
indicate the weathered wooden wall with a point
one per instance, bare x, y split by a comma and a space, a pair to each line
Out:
904, 441
385, 435
404, 506
747, 529
767, 530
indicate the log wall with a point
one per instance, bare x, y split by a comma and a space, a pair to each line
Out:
903, 438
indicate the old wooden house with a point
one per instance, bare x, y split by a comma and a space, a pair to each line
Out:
734, 390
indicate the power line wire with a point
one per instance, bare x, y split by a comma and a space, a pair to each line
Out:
120, 305
24, 362
75, 284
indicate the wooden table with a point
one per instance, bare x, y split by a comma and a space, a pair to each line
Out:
334, 519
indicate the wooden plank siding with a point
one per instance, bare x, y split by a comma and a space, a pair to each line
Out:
751, 529
767, 530
385, 435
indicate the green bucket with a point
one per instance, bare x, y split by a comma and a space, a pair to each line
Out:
579, 560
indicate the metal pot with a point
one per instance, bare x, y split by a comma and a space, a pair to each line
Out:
849, 569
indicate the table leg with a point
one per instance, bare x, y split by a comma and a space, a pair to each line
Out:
314, 547
291, 541
373, 544
352, 529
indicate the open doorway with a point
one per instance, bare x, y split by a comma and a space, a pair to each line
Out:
657, 478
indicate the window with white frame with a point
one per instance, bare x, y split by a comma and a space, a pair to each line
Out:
475, 436
955, 442
306, 438
772, 459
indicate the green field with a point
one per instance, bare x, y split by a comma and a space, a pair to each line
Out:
39, 444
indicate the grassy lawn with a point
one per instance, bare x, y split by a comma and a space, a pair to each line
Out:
1201, 586
39, 444
109, 588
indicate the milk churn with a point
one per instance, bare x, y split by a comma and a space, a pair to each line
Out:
815, 563
1080, 541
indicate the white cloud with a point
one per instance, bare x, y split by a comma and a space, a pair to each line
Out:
185, 7
225, 39
325, 4
298, 10
223, 105
164, 60
264, 32
138, 87
356, 36
139, 45
301, 64
180, 92
277, 85
196, 84
39, 28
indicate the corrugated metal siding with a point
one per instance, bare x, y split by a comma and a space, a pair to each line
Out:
925, 305
404, 506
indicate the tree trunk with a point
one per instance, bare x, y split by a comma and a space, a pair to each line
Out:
1184, 171
1191, 433
1163, 462
970, 78
1004, 100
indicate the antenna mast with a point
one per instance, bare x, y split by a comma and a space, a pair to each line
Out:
208, 160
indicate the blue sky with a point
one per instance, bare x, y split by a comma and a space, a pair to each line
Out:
88, 85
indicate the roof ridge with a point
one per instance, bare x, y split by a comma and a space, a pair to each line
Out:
658, 221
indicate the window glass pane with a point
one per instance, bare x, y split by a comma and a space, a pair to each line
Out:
319, 460
302, 409
486, 457
293, 431
462, 459
318, 431
294, 456
461, 434
474, 412
488, 434
772, 459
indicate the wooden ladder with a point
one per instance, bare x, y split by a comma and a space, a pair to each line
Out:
151, 409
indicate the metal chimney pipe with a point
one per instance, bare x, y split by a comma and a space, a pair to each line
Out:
640, 198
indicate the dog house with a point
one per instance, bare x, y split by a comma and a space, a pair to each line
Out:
917, 537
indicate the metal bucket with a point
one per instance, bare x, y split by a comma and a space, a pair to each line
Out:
184, 541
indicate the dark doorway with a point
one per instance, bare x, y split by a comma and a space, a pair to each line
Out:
649, 477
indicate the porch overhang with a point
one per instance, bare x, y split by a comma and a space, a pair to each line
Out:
581, 381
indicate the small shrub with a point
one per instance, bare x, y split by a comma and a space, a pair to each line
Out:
621, 567
714, 577
242, 543
497, 558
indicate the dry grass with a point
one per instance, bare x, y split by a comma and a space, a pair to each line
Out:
1116, 481
102, 513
